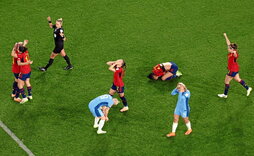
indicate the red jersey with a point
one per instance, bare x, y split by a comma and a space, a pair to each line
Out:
118, 77
24, 57
232, 64
158, 70
15, 67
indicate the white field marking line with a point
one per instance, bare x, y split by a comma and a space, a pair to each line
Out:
16, 139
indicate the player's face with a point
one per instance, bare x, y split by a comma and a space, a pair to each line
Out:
119, 63
58, 24
180, 88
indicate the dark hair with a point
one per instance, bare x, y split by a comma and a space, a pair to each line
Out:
233, 46
150, 76
22, 49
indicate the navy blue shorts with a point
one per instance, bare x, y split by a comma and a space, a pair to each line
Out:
23, 77
16, 75
118, 89
173, 68
232, 74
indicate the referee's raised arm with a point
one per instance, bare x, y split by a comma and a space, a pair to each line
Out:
49, 21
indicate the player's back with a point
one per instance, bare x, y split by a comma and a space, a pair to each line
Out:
106, 98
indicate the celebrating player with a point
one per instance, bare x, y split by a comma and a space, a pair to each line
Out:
118, 67
99, 107
59, 45
23, 62
165, 71
233, 68
182, 108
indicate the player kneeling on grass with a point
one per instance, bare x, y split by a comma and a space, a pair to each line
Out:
165, 71
23, 62
99, 107
182, 108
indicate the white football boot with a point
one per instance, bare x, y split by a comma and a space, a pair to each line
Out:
24, 100
248, 91
101, 132
30, 97
178, 73
222, 96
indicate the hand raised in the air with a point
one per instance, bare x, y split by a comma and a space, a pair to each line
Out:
49, 18
224, 34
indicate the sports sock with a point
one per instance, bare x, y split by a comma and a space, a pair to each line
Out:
29, 90
22, 91
226, 89
174, 127
101, 124
96, 120
15, 87
244, 84
124, 101
17, 93
49, 63
67, 59
188, 125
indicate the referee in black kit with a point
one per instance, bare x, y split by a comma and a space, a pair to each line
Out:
59, 45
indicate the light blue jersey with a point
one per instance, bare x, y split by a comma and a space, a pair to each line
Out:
96, 104
182, 106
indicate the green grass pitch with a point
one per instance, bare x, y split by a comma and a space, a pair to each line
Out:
144, 33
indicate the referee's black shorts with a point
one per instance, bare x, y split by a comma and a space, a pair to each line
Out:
58, 48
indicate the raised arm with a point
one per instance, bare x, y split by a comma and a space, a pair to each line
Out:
13, 52
112, 67
50, 22
227, 40
174, 92
110, 63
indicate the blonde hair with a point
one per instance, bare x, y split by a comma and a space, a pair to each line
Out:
60, 20
182, 84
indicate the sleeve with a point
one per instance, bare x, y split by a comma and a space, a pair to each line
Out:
174, 92
187, 94
54, 26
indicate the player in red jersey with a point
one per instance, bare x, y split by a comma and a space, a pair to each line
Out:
23, 62
16, 68
233, 68
118, 67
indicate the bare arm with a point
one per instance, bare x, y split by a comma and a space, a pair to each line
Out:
24, 63
110, 63
50, 23
13, 52
112, 67
25, 43
227, 40
105, 112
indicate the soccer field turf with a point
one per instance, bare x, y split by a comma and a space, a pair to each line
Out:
144, 33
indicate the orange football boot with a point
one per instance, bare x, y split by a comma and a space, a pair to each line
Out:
188, 132
172, 134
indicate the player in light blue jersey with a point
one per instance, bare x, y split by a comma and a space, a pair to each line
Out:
99, 107
182, 108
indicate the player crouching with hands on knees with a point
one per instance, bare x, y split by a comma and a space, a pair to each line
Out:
99, 107
182, 108
165, 71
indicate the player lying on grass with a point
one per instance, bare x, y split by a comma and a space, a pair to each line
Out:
23, 62
118, 67
165, 71
182, 108
59, 45
99, 107
233, 69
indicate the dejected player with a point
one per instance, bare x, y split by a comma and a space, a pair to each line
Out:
182, 108
233, 69
24, 62
165, 71
118, 67
99, 107
59, 45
